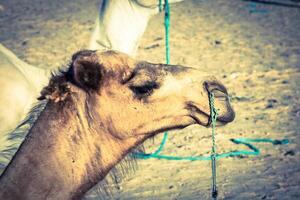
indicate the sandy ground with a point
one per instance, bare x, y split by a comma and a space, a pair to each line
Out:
256, 53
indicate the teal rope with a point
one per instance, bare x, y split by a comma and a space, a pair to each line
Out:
167, 30
244, 141
160, 6
166, 8
213, 116
253, 150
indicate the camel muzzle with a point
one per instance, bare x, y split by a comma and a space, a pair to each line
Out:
226, 113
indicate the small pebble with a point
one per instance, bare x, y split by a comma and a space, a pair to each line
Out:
287, 97
217, 42
24, 43
271, 103
289, 153
264, 197
152, 46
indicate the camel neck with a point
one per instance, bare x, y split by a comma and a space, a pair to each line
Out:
63, 155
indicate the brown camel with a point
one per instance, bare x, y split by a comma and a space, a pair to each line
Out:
103, 106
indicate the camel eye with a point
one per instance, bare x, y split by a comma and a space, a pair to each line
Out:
144, 90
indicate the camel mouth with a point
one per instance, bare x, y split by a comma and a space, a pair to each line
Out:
226, 114
223, 119
222, 103
221, 97
203, 118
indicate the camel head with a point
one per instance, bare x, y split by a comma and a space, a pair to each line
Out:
137, 98
103, 106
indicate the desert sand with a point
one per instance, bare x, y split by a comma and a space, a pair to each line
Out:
253, 48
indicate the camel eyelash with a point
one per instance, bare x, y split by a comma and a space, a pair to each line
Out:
144, 90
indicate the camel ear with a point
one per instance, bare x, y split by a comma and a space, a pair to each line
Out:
87, 72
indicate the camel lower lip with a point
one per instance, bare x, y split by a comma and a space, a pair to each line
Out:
198, 121
228, 118
209, 122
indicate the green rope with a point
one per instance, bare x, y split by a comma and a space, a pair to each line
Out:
214, 114
160, 6
213, 119
167, 30
253, 150
244, 141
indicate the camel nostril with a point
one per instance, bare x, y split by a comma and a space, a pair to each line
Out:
216, 87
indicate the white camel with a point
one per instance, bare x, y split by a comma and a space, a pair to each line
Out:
119, 26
